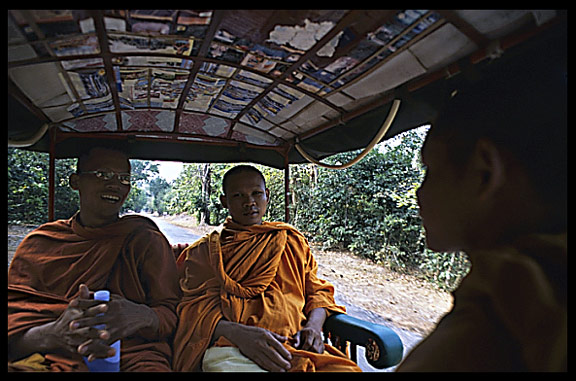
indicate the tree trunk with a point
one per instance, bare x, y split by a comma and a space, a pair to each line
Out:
205, 176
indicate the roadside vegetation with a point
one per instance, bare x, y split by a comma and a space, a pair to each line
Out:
369, 209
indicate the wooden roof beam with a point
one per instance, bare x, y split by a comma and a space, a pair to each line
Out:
98, 16
215, 22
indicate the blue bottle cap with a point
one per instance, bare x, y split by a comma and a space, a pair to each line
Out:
102, 295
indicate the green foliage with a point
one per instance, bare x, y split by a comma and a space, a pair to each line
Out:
141, 172
187, 196
136, 201
445, 270
370, 208
28, 187
159, 189
66, 200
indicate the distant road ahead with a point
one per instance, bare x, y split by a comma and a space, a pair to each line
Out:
174, 234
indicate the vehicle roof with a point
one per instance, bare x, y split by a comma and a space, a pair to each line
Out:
247, 85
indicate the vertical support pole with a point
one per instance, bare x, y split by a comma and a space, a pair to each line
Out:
287, 192
52, 176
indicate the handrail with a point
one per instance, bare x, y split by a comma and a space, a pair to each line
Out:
30, 141
385, 126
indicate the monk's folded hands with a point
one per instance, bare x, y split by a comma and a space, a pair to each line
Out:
121, 317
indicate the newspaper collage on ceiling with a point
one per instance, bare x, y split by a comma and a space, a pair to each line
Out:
263, 77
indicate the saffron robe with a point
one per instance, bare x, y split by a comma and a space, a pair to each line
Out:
259, 275
130, 257
509, 313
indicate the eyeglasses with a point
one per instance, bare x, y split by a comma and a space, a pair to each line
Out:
124, 178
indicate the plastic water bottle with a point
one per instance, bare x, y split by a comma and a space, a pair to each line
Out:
109, 364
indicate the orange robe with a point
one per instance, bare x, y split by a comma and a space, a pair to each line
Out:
509, 314
130, 257
260, 275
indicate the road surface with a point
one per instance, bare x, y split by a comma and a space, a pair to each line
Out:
174, 234
409, 339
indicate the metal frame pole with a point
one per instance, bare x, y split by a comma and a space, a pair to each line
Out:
52, 176
287, 192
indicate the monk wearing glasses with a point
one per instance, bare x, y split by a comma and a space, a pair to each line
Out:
57, 267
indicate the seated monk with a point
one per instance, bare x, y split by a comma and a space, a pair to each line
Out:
496, 188
251, 297
57, 267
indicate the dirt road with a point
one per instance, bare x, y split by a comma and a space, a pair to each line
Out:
174, 233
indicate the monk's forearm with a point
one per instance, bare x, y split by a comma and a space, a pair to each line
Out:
138, 318
36, 340
238, 333
316, 318
260, 345
223, 328
228, 329
148, 318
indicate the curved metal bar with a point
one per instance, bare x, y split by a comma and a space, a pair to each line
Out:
30, 141
385, 126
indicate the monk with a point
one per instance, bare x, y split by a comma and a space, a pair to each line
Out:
57, 267
251, 297
496, 188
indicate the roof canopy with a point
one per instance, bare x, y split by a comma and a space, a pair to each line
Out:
244, 85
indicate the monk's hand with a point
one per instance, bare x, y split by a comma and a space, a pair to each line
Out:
64, 335
122, 318
260, 345
309, 338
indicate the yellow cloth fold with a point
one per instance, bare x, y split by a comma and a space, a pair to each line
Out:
33, 363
